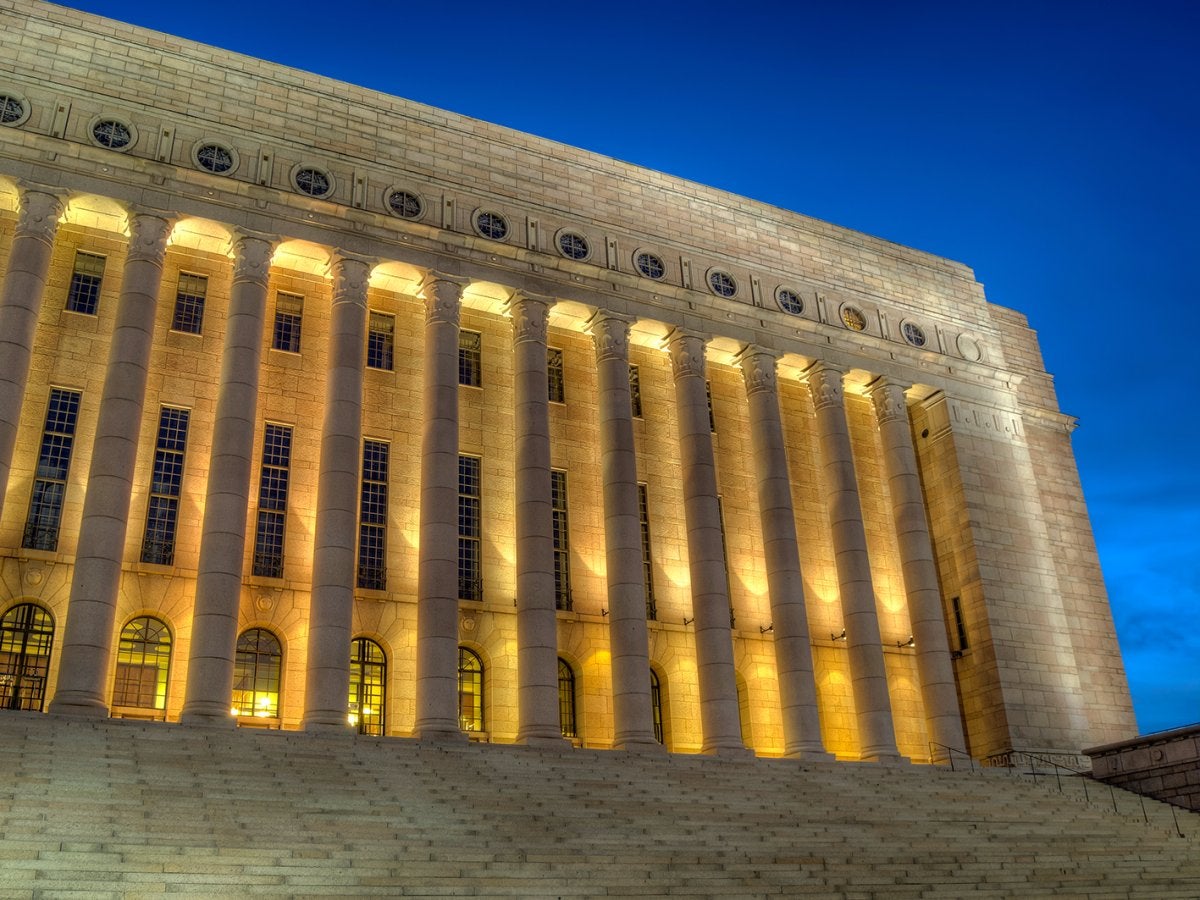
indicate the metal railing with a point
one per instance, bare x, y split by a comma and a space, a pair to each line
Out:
1034, 760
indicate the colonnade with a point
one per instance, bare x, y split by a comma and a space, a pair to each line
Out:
89, 637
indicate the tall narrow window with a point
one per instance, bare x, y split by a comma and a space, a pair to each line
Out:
50, 480
381, 341
162, 512
635, 391
725, 558
470, 691
289, 309
470, 582
257, 671
470, 358
960, 627
83, 296
189, 303
26, 639
372, 519
143, 664
743, 695
647, 559
712, 422
554, 375
566, 699
656, 707
562, 548
272, 501
368, 686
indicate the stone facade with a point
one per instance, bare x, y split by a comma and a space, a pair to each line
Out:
1164, 765
885, 501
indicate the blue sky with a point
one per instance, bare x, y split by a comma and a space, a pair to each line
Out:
1051, 146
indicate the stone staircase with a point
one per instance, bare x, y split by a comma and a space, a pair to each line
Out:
118, 808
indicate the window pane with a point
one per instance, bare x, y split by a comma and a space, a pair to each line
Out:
189, 303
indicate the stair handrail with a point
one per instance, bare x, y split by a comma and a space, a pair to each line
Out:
950, 751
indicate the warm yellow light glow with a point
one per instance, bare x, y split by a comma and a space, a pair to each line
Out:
234, 711
90, 211
202, 235
302, 256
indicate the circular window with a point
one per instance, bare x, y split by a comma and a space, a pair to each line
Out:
491, 225
789, 301
312, 181
721, 283
853, 318
113, 134
913, 333
405, 204
14, 110
214, 157
573, 245
650, 265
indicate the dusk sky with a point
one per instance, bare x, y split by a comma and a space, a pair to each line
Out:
1053, 147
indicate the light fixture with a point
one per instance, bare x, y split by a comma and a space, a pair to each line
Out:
767, 629
603, 612
909, 643
687, 621
838, 637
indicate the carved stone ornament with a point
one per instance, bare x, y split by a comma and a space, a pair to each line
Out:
350, 277
611, 335
148, 238
39, 217
252, 259
530, 317
687, 354
890, 403
758, 371
441, 301
826, 386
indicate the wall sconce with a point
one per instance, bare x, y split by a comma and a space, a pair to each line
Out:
909, 643
838, 637
603, 612
687, 621
766, 629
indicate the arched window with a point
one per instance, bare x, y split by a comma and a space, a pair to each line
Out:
470, 691
26, 636
656, 707
256, 674
566, 699
368, 686
143, 663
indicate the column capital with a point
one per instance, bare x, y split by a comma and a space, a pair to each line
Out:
610, 332
758, 368
889, 399
530, 315
148, 236
40, 212
826, 384
687, 352
252, 254
351, 274
442, 294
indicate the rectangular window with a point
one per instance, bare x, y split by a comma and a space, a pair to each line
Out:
50, 480
712, 422
83, 296
289, 310
272, 501
372, 518
470, 583
554, 375
381, 341
162, 513
562, 549
189, 303
635, 391
470, 358
647, 559
960, 626
725, 557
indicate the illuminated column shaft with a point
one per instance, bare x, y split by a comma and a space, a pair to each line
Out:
20, 302
785, 584
327, 686
719, 717
868, 673
437, 578
223, 533
88, 642
628, 640
537, 622
925, 612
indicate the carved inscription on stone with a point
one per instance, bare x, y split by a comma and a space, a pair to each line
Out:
975, 418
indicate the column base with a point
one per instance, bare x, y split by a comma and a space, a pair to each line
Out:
808, 755
729, 752
648, 748
326, 726
82, 707
886, 758
441, 735
541, 740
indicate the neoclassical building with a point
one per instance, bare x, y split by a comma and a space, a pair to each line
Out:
324, 409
